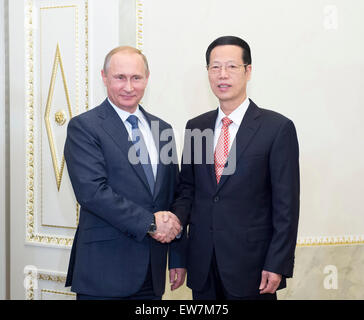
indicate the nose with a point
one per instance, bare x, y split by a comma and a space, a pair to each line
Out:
128, 86
223, 73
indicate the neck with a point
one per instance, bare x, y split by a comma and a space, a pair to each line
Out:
229, 106
130, 109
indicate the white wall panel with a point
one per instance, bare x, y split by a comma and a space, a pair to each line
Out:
46, 285
57, 49
60, 89
56, 79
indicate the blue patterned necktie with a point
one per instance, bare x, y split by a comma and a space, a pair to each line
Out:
141, 150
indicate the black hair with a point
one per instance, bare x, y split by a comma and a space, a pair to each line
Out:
230, 40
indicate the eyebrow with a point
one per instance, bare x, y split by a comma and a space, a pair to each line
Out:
216, 61
116, 75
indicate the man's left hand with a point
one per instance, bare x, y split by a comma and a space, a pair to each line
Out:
270, 282
177, 277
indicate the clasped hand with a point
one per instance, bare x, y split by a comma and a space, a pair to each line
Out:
168, 226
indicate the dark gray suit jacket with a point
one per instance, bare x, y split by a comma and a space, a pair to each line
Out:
111, 249
250, 218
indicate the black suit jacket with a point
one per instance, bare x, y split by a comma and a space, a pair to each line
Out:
250, 218
111, 249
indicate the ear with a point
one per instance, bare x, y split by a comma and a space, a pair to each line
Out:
104, 76
249, 71
147, 78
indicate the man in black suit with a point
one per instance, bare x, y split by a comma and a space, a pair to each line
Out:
125, 189
239, 187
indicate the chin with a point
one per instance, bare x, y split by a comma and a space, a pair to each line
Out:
128, 105
223, 97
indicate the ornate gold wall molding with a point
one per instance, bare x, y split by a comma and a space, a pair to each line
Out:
58, 169
86, 58
57, 292
140, 24
330, 240
33, 236
30, 122
38, 281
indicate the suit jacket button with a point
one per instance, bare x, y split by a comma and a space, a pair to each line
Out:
216, 199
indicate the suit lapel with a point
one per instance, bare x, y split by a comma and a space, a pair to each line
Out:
208, 148
115, 128
246, 131
161, 171
161, 168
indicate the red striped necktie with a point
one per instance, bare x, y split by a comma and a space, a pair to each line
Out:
222, 148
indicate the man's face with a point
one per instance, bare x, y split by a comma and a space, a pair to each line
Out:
228, 83
125, 79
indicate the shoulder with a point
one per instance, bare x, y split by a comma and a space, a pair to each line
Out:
203, 120
204, 116
88, 121
271, 117
275, 124
163, 124
89, 116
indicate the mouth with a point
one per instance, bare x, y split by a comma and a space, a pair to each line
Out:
224, 86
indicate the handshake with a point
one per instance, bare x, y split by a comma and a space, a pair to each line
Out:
168, 226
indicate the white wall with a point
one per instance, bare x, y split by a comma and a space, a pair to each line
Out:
120, 12
2, 157
127, 22
104, 19
307, 64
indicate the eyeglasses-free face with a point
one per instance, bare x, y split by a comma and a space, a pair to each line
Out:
126, 80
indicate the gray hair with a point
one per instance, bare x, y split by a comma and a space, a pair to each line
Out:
126, 49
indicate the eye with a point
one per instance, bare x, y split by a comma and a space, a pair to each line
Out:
232, 66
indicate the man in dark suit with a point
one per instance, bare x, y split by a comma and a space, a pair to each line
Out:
239, 187
125, 190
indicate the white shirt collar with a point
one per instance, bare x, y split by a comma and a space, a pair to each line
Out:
236, 116
125, 114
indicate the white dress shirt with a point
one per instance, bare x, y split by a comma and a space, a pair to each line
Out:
145, 130
236, 116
